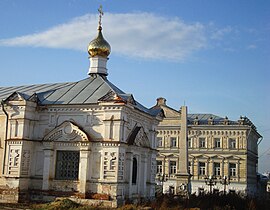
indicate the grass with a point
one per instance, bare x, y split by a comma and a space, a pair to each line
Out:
165, 202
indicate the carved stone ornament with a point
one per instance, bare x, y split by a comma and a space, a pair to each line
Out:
138, 137
67, 131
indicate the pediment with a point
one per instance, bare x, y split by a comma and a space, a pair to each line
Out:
67, 131
166, 155
233, 157
17, 96
201, 156
128, 98
216, 157
138, 137
118, 98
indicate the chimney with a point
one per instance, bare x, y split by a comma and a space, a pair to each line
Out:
161, 101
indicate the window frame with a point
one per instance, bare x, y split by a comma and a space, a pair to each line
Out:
202, 142
189, 143
173, 168
189, 167
232, 142
159, 142
134, 171
173, 142
159, 167
217, 142
202, 168
233, 170
217, 169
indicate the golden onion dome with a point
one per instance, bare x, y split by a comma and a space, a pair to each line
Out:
99, 46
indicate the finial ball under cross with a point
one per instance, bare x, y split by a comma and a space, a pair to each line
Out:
100, 14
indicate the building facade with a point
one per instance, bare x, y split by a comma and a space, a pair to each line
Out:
223, 151
172, 159
80, 139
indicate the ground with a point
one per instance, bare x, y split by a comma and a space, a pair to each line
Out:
204, 202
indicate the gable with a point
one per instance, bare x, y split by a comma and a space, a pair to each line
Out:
170, 113
201, 156
17, 96
67, 131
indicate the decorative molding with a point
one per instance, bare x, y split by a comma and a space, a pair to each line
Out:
67, 131
138, 137
25, 162
79, 109
14, 160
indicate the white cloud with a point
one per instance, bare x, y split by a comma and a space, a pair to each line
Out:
219, 34
141, 35
251, 47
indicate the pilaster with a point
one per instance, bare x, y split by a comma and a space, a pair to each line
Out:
83, 169
48, 165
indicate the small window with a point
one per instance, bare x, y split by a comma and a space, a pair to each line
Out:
159, 142
173, 141
216, 191
201, 191
217, 169
189, 167
159, 167
232, 143
202, 169
232, 169
172, 167
232, 191
202, 143
189, 143
217, 143
171, 190
67, 165
134, 171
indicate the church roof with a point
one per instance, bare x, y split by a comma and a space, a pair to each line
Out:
91, 90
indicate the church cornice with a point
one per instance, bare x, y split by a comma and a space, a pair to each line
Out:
77, 108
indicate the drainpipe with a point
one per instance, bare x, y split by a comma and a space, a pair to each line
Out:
6, 134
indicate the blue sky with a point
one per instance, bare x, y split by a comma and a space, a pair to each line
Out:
212, 55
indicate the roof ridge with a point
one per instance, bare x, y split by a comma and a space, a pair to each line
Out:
94, 91
113, 87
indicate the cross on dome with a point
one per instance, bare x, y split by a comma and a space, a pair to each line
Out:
101, 13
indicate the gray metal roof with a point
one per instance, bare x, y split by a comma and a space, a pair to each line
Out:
87, 91
203, 119
29, 89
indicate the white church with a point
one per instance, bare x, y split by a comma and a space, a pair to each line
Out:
83, 139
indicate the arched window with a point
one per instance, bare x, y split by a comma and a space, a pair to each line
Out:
134, 171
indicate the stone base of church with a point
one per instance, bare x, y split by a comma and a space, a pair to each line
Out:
14, 195
9, 195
